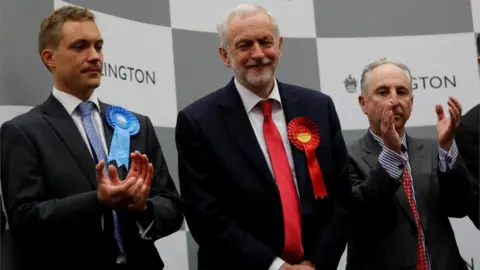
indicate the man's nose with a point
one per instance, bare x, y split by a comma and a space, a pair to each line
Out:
257, 52
93, 54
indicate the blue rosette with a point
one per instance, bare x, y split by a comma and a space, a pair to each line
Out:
125, 125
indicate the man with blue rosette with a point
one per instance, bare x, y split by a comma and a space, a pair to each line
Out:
85, 183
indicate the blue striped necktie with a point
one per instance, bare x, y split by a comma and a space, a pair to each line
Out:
85, 109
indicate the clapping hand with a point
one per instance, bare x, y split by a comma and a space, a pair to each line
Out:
111, 190
142, 171
133, 192
447, 126
387, 128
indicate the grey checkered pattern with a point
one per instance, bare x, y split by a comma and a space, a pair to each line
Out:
325, 42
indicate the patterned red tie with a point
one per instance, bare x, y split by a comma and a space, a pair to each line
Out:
293, 249
421, 254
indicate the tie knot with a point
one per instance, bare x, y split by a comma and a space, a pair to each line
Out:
266, 106
85, 108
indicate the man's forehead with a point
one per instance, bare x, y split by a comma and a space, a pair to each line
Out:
80, 30
250, 24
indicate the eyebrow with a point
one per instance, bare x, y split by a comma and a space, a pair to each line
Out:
385, 86
264, 38
86, 40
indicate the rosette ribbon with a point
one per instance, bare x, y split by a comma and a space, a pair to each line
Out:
304, 135
124, 124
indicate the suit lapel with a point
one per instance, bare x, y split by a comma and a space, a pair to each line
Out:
63, 125
234, 117
291, 110
107, 130
418, 159
371, 152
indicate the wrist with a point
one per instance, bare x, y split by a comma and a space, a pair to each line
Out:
446, 146
146, 213
394, 148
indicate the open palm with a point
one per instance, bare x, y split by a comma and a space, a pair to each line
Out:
447, 126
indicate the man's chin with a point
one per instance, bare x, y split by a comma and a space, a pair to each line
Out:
259, 79
92, 84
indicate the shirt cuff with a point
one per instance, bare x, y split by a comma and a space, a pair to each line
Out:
447, 160
393, 163
144, 233
276, 264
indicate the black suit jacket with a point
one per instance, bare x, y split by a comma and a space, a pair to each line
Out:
232, 204
49, 187
384, 234
468, 140
3, 220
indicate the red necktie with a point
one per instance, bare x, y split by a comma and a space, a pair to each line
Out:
293, 249
421, 254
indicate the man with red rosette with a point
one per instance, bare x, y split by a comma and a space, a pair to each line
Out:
263, 166
406, 187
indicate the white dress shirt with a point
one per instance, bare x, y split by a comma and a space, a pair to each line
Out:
70, 103
255, 115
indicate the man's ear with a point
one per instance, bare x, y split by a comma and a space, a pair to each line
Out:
48, 58
224, 55
363, 104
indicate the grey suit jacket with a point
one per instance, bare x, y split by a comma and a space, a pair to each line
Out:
384, 234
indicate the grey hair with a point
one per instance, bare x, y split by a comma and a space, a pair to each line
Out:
383, 61
243, 11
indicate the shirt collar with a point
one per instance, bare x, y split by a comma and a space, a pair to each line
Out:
70, 102
250, 100
379, 139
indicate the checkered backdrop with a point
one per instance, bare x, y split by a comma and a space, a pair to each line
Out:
161, 55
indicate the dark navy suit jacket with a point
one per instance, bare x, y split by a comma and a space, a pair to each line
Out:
232, 203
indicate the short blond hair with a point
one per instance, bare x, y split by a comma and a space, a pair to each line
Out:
50, 28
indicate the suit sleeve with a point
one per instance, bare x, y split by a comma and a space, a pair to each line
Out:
165, 202
333, 236
209, 221
24, 190
3, 221
380, 184
458, 191
468, 141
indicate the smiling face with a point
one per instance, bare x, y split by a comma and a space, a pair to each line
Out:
252, 50
76, 62
387, 83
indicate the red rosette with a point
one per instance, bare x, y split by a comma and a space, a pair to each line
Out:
304, 135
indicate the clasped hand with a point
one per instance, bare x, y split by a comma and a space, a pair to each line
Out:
304, 265
131, 193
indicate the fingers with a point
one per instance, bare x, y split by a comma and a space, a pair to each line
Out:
149, 175
454, 111
391, 120
144, 164
138, 165
121, 191
387, 118
138, 202
134, 163
135, 188
440, 112
456, 104
100, 174
113, 175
